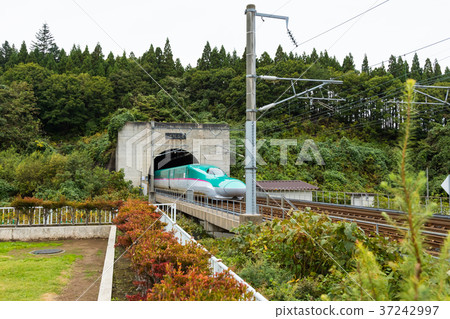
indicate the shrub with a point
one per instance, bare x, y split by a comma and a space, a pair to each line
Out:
158, 249
6, 189
198, 285
165, 269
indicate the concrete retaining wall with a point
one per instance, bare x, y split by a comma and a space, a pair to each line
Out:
54, 233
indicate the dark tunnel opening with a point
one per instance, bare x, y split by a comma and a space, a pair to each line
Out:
173, 158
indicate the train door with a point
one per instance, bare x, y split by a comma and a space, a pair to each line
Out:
169, 177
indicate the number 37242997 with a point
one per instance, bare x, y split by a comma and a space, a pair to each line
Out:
408, 310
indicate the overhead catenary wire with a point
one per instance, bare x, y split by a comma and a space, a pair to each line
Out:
441, 77
414, 51
399, 67
342, 23
347, 106
348, 20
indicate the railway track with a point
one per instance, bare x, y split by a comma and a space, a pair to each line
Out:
370, 220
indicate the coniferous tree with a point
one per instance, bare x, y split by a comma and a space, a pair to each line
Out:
348, 64
45, 42
23, 53
365, 65
380, 71
427, 70
204, 63
403, 69
264, 60
325, 60
122, 61
437, 69
168, 67
149, 57
224, 57
159, 60
314, 57
280, 56
62, 61
393, 66
215, 59
236, 63
75, 60
13, 57
179, 70
5, 53
416, 70
86, 66
98, 62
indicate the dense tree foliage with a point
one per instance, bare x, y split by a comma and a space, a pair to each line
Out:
82, 92
17, 115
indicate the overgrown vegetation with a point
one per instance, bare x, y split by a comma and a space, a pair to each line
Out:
297, 258
49, 175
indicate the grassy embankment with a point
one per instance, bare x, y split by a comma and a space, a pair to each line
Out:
24, 276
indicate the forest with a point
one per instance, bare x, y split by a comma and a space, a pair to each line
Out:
60, 113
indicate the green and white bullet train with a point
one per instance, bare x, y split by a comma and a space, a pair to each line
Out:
204, 179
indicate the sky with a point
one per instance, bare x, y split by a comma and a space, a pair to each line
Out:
395, 27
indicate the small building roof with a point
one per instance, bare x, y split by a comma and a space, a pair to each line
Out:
285, 185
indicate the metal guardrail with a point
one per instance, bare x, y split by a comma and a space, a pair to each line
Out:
377, 225
370, 200
228, 206
9, 217
216, 264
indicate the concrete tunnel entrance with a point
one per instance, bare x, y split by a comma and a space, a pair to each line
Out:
173, 158
138, 142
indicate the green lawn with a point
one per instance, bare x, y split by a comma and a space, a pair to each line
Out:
24, 276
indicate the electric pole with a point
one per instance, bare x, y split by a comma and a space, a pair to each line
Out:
250, 124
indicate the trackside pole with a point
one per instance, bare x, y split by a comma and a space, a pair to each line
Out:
250, 124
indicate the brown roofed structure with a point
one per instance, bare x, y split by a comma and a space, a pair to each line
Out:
285, 185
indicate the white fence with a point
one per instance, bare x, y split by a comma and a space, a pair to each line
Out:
183, 237
9, 216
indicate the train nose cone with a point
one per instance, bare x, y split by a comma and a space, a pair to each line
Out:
234, 188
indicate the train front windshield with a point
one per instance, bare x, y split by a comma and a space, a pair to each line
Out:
215, 171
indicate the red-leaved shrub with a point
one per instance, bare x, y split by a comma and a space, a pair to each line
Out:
165, 269
196, 284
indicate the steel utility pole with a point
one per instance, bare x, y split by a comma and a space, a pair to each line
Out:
250, 124
151, 180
